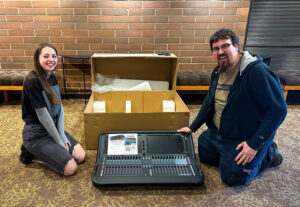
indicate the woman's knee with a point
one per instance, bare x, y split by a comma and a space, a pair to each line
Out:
78, 153
71, 167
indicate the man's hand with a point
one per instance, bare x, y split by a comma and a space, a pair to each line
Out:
246, 155
185, 130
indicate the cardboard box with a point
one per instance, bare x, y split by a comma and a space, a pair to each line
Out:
146, 106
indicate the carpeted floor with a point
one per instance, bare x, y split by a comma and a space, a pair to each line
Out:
37, 185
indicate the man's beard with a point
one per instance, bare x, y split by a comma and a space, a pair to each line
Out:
224, 66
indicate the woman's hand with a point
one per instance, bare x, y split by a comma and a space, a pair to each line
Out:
68, 145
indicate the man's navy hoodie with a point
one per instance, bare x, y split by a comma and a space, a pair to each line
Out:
255, 105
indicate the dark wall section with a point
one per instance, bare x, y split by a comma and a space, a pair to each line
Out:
273, 29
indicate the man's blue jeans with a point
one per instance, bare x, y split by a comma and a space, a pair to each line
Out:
219, 151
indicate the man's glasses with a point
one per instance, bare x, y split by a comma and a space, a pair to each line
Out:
223, 48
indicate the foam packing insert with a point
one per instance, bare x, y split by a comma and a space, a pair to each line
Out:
99, 106
168, 106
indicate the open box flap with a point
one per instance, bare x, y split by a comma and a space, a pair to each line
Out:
136, 66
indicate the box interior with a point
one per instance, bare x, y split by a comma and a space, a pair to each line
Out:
141, 101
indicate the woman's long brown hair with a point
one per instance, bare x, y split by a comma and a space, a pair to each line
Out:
41, 73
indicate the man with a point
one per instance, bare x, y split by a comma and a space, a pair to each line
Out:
242, 110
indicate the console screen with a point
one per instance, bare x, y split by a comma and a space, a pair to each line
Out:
164, 144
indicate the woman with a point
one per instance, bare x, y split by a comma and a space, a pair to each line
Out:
44, 137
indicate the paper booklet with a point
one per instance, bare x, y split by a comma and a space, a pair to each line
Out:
122, 144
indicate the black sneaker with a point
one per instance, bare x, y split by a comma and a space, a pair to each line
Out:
25, 157
277, 157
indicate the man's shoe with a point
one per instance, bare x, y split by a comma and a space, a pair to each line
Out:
25, 157
277, 157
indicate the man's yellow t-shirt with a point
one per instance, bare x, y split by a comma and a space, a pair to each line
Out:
225, 82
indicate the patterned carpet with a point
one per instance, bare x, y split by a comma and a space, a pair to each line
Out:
37, 185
